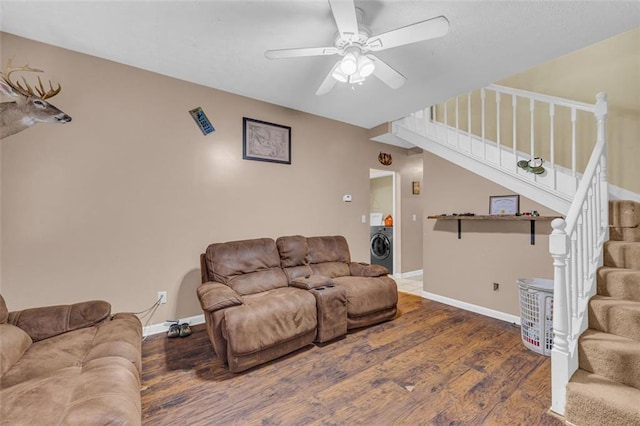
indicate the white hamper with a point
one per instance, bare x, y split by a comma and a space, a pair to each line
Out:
536, 314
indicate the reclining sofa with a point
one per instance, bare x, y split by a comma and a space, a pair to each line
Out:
69, 364
263, 299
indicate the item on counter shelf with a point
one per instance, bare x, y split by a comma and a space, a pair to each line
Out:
388, 221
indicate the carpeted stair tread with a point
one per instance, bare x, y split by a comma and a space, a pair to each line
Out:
622, 254
624, 213
619, 283
614, 357
615, 316
619, 233
596, 400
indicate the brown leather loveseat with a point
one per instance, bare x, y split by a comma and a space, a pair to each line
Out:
262, 299
69, 364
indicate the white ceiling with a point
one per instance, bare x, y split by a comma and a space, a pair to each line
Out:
221, 44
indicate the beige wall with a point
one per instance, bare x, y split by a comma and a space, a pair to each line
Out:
381, 197
412, 205
488, 252
119, 203
611, 66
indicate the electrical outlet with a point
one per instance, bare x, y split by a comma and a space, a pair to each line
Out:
496, 287
162, 297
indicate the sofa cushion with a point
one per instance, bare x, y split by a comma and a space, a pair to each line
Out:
329, 256
13, 343
331, 269
367, 270
366, 295
120, 337
328, 249
104, 391
215, 296
248, 266
293, 251
44, 322
269, 318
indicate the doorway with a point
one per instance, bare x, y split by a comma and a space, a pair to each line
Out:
382, 204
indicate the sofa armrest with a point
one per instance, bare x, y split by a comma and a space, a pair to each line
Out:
214, 296
366, 270
48, 321
311, 281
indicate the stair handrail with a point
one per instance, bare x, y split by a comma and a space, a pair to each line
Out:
576, 247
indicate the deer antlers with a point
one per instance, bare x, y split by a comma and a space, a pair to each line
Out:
27, 90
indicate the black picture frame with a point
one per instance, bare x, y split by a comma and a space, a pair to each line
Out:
264, 141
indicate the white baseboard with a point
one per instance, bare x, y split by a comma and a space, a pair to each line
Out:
163, 327
473, 308
403, 275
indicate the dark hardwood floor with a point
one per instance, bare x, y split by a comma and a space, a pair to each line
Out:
433, 364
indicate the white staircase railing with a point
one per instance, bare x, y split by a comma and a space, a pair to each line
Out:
477, 142
576, 246
499, 126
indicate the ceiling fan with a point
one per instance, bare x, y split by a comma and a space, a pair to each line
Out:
354, 43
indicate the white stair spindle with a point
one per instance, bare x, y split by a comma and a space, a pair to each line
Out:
552, 154
457, 124
434, 110
573, 273
532, 108
514, 104
573, 147
469, 122
601, 115
484, 142
446, 122
498, 128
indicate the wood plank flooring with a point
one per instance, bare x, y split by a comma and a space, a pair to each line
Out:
432, 365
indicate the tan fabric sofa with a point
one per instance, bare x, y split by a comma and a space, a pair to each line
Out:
69, 365
262, 299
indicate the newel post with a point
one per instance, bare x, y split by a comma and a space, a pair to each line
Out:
601, 111
560, 356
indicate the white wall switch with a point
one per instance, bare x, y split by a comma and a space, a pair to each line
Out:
413, 217
364, 218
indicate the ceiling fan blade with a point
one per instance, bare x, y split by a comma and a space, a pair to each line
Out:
344, 13
300, 52
386, 74
420, 31
328, 83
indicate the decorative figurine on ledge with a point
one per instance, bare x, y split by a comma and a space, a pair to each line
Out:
532, 166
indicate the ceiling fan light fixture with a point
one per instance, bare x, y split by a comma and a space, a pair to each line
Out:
349, 64
365, 66
339, 75
356, 78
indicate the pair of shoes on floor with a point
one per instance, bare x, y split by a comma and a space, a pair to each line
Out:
179, 330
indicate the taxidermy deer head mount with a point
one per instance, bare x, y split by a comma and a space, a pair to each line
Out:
29, 106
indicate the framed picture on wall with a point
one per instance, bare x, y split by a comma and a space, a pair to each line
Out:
262, 141
504, 204
415, 188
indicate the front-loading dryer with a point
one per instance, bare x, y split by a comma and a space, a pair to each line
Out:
381, 246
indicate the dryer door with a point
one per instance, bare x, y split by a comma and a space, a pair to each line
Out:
380, 246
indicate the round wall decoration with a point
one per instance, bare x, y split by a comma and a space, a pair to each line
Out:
385, 159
